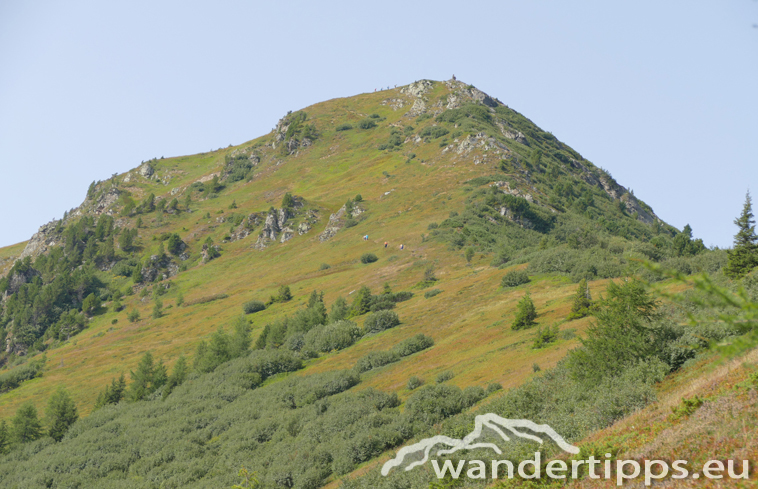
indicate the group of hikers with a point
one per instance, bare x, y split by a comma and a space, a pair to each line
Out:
386, 243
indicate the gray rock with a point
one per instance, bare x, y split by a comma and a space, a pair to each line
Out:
287, 234
145, 170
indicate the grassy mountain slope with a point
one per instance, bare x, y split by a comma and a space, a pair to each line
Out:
441, 168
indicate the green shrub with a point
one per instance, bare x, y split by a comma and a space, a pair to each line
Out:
334, 336
514, 278
368, 258
376, 359
686, 407
545, 336
253, 306
374, 116
433, 131
344, 127
493, 387
14, 377
133, 315
402, 296
444, 376
526, 314
324, 266
413, 345
380, 321
431, 293
433, 403
472, 395
414, 383
366, 124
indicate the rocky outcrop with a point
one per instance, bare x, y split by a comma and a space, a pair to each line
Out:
337, 221
19, 278
159, 267
506, 188
276, 224
287, 234
106, 201
43, 239
479, 141
418, 88
146, 170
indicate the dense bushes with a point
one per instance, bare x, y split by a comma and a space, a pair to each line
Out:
334, 336
380, 320
514, 278
376, 359
433, 132
27, 371
253, 306
368, 258
367, 124
344, 127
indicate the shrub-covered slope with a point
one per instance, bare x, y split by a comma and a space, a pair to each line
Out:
356, 225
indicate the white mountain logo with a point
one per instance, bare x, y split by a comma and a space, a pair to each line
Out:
498, 424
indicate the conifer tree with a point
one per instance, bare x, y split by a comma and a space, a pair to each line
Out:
142, 379
178, 374
5, 438
260, 343
339, 310
26, 425
582, 301
158, 308
61, 413
526, 313
240, 338
284, 293
744, 256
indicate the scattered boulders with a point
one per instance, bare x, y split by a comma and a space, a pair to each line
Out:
146, 170
337, 221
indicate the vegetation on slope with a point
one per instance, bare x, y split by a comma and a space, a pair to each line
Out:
156, 260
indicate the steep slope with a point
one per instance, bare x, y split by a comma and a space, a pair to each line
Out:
461, 188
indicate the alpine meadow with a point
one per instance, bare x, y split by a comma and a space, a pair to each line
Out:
379, 269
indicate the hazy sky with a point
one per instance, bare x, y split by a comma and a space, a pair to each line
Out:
660, 93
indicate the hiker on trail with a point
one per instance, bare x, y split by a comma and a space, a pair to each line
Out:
385, 244
402, 246
453, 77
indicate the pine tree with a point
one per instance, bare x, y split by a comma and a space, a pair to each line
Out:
178, 374
5, 438
526, 313
361, 302
260, 343
61, 413
158, 308
339, 310
284, 293
160, 376
582, 301
744, 256
126, 240
241, 337
26, 425
142, 379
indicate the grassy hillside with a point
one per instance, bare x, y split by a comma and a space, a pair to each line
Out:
461, 188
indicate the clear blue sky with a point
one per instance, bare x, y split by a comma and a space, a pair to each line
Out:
661, 94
